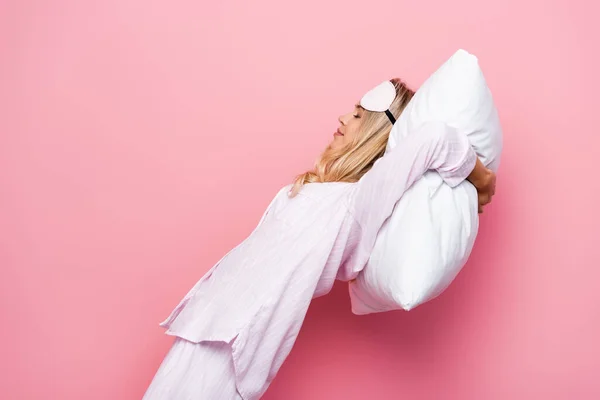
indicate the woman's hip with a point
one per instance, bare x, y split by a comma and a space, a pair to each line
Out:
195, 371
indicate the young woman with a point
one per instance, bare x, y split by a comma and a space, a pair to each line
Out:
237, 325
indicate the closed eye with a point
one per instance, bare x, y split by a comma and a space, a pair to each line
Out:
357, 107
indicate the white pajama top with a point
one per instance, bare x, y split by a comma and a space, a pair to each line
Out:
259, 292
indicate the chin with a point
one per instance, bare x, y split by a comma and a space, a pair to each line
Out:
333, 146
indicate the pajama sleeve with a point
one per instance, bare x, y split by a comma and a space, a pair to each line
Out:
434, 146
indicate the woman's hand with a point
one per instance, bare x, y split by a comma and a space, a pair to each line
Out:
484, 181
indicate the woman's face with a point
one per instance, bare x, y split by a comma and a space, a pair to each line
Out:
349, 125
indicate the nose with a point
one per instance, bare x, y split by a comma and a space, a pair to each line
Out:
341, 119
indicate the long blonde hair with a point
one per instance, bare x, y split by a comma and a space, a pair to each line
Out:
350, 162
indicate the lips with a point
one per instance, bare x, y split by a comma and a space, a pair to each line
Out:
338, 133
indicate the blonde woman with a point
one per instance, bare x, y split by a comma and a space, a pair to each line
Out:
236, 326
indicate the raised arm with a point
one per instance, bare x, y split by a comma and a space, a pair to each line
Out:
435, 146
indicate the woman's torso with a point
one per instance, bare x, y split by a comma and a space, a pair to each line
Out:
263, 287
296, 251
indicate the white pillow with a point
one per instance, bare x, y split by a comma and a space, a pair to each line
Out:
429, 236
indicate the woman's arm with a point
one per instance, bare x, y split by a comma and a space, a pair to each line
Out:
435, 146
484, 181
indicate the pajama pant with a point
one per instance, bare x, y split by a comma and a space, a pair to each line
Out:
195, 371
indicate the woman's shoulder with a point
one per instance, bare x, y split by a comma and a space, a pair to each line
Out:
321, 190
285, 190
314, 190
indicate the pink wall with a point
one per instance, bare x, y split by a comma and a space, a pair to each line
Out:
141, 140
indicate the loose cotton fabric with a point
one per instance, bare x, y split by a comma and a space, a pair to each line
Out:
184, 373
257, 295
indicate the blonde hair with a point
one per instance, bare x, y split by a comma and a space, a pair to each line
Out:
350, 162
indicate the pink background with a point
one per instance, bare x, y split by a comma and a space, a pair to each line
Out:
141, 140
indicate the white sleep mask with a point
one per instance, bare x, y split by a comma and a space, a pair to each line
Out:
380, 98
